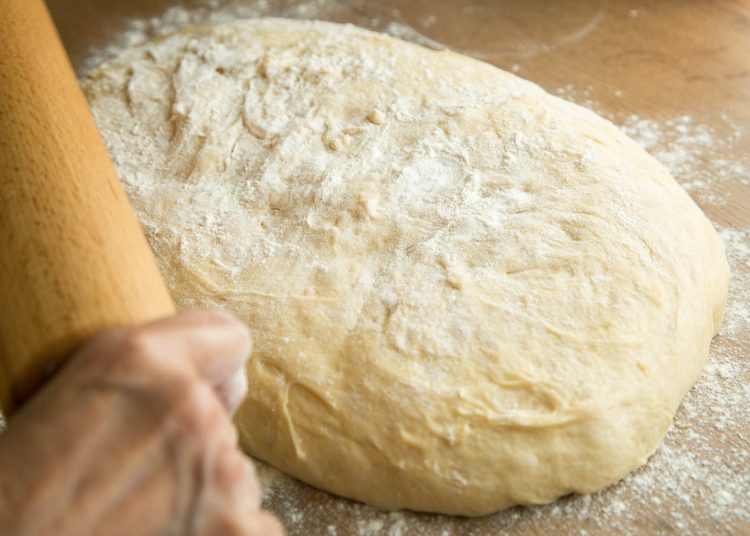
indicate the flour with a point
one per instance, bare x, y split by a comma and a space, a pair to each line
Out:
687, 471
737, 317
702, 158
136, 31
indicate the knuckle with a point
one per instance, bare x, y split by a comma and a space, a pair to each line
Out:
138, 348
195, 407
119, 353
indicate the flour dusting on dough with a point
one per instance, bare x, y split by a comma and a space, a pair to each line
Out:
670, 473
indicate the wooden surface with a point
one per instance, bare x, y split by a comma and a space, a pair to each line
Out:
657, 59
74, 260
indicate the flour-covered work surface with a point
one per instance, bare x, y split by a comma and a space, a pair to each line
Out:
698, 478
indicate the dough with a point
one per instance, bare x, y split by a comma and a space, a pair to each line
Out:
464, 293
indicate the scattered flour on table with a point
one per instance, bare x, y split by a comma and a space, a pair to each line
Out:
697, 155
580, 96
737, 317
136, 31
691, 467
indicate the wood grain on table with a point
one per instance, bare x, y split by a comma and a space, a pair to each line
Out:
656, 59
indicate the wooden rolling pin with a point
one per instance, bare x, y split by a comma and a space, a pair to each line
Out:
73, 259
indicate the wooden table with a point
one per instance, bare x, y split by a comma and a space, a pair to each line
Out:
657, 59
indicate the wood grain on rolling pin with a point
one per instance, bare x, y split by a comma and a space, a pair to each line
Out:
73, 260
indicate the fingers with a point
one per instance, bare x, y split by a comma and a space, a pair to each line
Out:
234, 474
214, 344
233, 391
140, 415
145, 510
191, 366
215, 488
224, 366
228, 502
262, 523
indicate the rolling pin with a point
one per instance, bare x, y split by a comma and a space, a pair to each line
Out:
73, 259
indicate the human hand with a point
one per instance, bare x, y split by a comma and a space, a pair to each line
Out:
133, 437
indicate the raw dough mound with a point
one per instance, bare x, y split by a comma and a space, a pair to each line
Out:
464, 293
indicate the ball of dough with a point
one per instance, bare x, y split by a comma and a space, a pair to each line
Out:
464, 293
